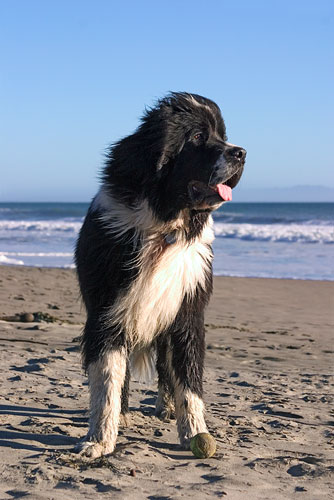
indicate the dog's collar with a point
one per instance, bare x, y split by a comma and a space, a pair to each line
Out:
170, 238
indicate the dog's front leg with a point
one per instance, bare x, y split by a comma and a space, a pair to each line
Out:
186, 363
106, 378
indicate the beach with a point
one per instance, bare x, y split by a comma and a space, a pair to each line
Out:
269, 397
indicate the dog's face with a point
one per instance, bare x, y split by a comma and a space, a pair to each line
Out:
198, 166
178, 158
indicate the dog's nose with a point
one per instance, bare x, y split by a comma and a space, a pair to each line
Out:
235, 153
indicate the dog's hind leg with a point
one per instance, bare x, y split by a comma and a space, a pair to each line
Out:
125, 397
106, 378
164, 406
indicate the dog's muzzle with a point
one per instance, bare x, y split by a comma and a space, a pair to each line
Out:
229, 167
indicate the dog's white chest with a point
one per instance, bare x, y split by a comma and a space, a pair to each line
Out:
154, 298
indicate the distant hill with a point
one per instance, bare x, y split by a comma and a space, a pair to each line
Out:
290, 194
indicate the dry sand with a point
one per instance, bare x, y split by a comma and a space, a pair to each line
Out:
268, 389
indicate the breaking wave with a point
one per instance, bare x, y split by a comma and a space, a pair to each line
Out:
288, 233
41, 226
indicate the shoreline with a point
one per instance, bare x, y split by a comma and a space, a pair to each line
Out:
73, 268
268, 391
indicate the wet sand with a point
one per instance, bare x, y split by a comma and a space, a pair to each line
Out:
269, 393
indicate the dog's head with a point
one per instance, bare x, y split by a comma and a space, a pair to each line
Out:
180, 157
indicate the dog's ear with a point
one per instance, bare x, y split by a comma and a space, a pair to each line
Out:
170, 151
165, 126
162, 161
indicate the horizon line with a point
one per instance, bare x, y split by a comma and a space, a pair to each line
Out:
237, 201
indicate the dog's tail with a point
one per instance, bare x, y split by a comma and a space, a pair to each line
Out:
142, 363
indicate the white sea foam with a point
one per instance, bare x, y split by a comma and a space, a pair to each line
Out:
37, 254
40, 225
5, 260
288, 233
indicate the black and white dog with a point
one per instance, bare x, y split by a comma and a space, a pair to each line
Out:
144, 263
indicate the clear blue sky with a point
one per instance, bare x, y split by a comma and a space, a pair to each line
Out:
76, 75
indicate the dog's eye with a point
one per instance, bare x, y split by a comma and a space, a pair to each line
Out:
198, 137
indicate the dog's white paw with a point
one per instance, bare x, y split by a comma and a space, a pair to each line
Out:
92, 449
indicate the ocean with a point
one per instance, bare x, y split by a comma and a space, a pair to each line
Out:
267, 240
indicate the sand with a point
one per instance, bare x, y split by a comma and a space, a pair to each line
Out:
269, 395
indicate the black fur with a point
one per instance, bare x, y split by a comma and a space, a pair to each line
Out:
103, 270
187, 339
173, 161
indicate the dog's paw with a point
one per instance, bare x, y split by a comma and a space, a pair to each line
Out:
124, 420
185, 442
186, 434
92, 449
165, 411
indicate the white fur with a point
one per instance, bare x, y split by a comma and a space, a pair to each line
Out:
153, 300
142, 364
167, 272
119, 219
106, 377
201, 105
189, 407
189, 410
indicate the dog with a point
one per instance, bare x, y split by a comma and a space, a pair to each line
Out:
144, 264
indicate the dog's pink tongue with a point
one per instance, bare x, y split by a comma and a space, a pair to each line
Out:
225, 192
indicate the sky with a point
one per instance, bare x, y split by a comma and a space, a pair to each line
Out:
76, 75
